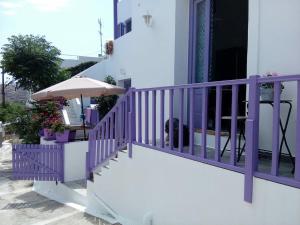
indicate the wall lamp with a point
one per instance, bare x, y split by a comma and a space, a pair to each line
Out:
148, 19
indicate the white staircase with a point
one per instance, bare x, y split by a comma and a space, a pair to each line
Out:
75, 194
105, 170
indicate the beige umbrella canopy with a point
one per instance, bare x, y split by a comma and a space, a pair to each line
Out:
78, 86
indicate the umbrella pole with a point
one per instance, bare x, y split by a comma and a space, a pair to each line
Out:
83, 117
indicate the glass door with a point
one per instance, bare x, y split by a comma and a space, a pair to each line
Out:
199, 51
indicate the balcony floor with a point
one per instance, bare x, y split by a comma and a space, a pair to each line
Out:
264, 164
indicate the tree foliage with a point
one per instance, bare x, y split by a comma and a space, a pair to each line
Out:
21, 122
79, 68
11, 112
105, 103
32, 61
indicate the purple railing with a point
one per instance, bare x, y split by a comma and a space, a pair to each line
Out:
38, 162
140, 118
110, 135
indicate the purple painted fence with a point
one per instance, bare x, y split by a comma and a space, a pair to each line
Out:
38, 162
143, 124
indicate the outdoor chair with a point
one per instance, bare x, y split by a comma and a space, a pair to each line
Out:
241, 134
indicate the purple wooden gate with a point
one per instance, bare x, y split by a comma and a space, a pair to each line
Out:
38, 162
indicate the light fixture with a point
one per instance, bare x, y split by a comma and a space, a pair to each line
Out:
148, 19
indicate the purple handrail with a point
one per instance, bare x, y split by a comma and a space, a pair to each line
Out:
110, 135
155, 106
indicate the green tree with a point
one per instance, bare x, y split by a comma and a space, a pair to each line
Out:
105, 103
11, 112
32, 61
79, 68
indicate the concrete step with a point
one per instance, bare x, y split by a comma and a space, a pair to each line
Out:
75, 194
78, 186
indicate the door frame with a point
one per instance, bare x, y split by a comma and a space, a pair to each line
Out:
192, 51
193, 38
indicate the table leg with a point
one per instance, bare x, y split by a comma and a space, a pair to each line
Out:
225, 146
283, 139
244, 145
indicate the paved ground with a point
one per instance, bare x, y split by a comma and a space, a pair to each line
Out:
19, 205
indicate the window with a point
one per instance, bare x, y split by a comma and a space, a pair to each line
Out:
128, 26
121, 29
126, 83
124, 28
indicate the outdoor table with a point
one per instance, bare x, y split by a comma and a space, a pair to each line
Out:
283, 127
240, 121
78, 128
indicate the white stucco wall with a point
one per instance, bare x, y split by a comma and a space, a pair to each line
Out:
67, 63
124, 10
273, 46
74, 159
146, 54
175, 191
158, 55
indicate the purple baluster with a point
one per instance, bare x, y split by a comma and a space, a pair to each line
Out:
192, 102
218, 122
153, 118
252, 133
111, 133
140, 117
146, 117
275, 135
97, 143
181, 106
234, 107
204, 121
62, 172
162, 118
126, 110
130, 136
297, 163
106, 137
171, 115
116, 129
102, 142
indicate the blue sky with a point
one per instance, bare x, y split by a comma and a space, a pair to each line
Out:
71, 25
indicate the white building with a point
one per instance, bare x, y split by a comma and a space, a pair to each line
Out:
170, 42
76, 60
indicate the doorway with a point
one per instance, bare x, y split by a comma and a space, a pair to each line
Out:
218, 50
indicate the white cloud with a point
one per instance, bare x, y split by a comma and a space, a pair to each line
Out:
48, 5
9, 12
9, 8
10, 5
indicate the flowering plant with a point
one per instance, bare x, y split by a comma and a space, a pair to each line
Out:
48, 123
48, 112
270, 85
58, 126
109, 47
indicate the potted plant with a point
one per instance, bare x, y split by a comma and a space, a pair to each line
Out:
48, 113
267, 89
48, 132
109, 47
61, 131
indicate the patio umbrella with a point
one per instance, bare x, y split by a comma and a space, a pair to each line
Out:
78, 86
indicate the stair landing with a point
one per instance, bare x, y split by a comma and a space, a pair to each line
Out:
80, 186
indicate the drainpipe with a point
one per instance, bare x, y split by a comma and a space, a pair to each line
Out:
116, 19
